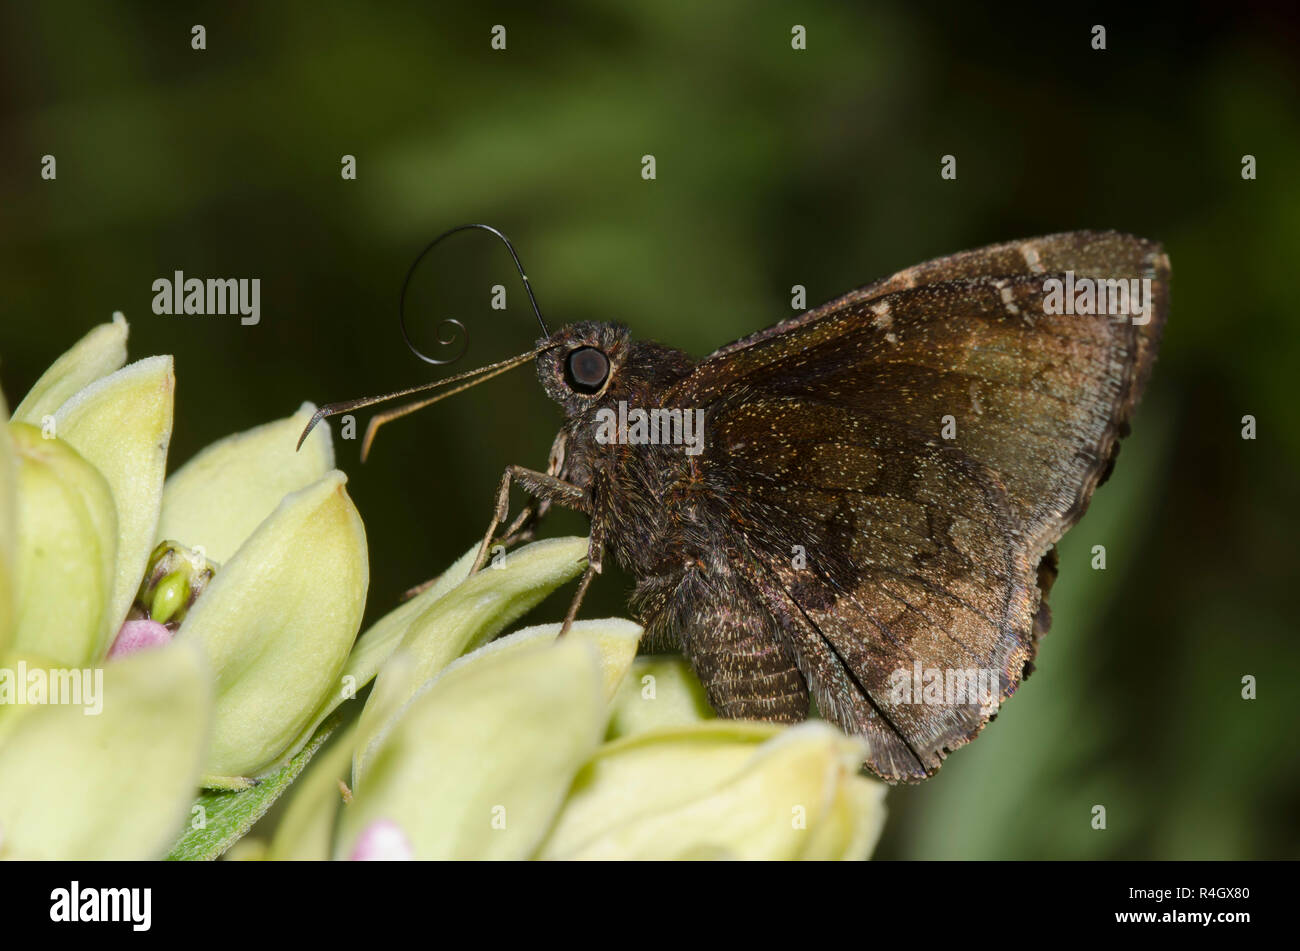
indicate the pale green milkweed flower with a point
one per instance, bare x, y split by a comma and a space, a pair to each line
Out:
66, 549
722, 789
466, 616
674, 782
277, 623
500, 757
87, 453
91, 443
121, 424
91, 358
116, 785
422, 638
280, 615
520, 749
479, 762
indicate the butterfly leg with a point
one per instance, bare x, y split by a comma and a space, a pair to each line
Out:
595, 553
525, 524
541, 486
521, 529
410, 593
524, 527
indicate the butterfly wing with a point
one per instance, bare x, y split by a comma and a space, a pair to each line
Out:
896, 465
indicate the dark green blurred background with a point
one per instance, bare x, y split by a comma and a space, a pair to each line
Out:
775, 168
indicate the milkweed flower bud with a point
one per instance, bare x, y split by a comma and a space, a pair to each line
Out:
276, 624
87, 448
215, 501
121, 424
100, 352
139, 635
64, 562
173, 581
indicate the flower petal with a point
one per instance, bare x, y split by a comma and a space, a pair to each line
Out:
95, 355
377, 643
64, 564
113, 786
660, 691
380, 640
217, 498
773, 807
614, 639
477, 765
651, 773
277, 622
121, 425
853, 822
469, 615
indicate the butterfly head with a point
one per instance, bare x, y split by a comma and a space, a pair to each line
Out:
582, 364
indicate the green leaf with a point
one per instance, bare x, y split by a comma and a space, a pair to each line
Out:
229, 815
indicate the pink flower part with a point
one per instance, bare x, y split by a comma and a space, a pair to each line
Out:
382, 841
137, 636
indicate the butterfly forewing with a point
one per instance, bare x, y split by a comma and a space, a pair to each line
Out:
895, 465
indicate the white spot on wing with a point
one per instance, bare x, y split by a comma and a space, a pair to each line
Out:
1008, 299
1030, 254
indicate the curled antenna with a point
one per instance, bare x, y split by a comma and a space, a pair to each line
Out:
450, 327
451, 385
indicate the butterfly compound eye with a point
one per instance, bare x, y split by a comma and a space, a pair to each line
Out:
586, 369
